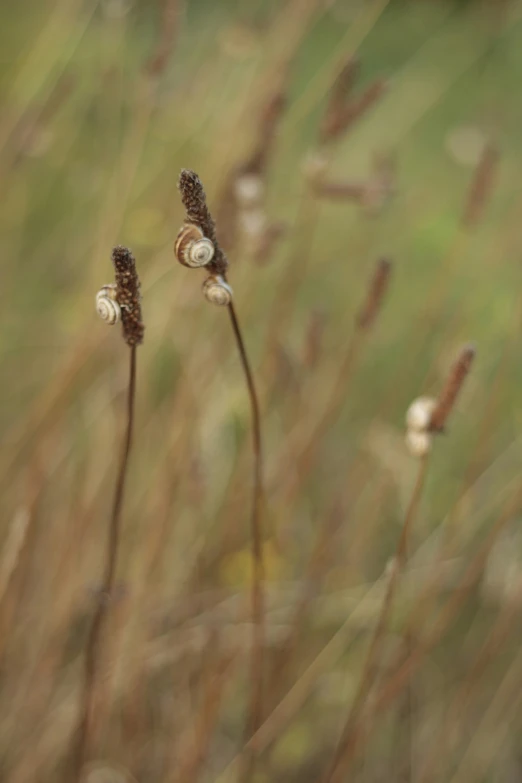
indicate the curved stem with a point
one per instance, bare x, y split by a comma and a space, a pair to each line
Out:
94, 642
341, 756
257, 597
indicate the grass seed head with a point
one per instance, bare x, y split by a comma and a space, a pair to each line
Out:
128, 295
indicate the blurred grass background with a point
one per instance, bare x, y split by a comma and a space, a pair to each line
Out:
92, 139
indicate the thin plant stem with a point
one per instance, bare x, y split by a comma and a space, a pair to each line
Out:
394, 685
205, 722
277, 721
304, 450
455, 714
370, 668
94, 643
331, 410
313, 576
405, 720
198, 214
257, 595
295, 268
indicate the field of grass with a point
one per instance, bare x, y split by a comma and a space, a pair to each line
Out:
103, 103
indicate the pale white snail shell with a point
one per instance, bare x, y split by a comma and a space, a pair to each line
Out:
249, 190
217, 290
192, 248
106, 305
418, 443
418, 415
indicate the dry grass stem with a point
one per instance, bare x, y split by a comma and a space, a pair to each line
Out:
454, 717
256, 670
306, 451
241, 205
268, 579
129, 300
170, 23
339, 115
340, 191
436, 423
343, 110
371, 664
403, 671
197, 213
481, 188
376, 293
394, 685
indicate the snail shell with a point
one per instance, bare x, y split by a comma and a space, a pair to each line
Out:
217, 290
418, 443
106, 305
192, 248
249, 190
418, 415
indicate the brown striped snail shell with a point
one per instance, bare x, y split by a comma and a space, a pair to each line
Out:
106, 305
192, 248
217, 290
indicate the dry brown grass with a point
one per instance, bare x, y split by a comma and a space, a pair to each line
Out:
112, 103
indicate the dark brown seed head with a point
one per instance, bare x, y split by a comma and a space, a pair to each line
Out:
128, 295
194, 200
376, 293
452, 388
195, 203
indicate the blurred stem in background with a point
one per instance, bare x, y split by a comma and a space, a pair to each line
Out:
371, 664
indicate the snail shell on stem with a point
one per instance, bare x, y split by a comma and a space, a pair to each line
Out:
418, 416
217, 290
192, 248
106, 305
418, 443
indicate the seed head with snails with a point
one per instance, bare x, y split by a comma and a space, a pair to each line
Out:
115, 302
198, 227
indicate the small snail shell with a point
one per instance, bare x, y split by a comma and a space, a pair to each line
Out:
418, 415
217, 291
192, 248
249, 190
106, 305
418, 443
